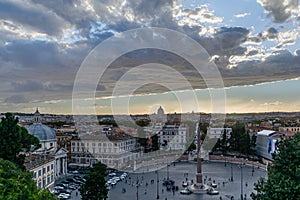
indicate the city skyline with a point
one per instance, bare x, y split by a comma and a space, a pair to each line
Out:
254, 44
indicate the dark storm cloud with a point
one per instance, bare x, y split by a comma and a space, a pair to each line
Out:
29, 15
16, 99
281, 63
32, 63
34, 54
25, 86
270, 33
280, 10
37, 86
226, 41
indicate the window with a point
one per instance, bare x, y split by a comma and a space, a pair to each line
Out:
82, 144
40, 172
51, 144
48, 168
52, 166
40, 184
34, 175
48, 179
99, 144
73, 143
44, 181
93, 144
44, 170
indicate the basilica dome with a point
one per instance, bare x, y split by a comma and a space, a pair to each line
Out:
42, 132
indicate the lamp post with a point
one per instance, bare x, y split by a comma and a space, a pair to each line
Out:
231, 178
137, 188
252, 164
157, 185
241, 181
168, 172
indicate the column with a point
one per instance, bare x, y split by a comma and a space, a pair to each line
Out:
63, 165
58, 167
55, 168
66, 165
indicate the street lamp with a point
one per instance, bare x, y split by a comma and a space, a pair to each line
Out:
137, 188
168, 172
241, 181
157, 185
252, 164
231, 178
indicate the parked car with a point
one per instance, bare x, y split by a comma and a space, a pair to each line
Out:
214, 185
64, 196
112, 174
66, 191
70, 180
185, 191
212, 191
58, 187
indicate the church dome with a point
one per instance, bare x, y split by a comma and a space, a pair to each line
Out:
42, 132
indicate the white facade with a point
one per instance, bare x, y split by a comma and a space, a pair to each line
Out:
171, 137
113, 152
43, 168
218, 132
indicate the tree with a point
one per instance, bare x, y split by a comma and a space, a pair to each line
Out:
94, 188
191, 147
240, 140
17, 184
283, 175
13, 139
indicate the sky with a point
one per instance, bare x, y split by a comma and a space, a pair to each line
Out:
254, 46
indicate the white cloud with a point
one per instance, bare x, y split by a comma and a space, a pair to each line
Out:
242, 15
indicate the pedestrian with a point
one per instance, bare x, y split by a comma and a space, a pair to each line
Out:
166, 198
246, 184
162, 190
76, 193
173, 191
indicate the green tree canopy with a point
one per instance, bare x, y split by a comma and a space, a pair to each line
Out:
16, 184
94, 188
284, 175
13, 139
240, 140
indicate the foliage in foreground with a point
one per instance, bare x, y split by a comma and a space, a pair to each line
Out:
16, 184
14, 139
94, 188
284, 175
